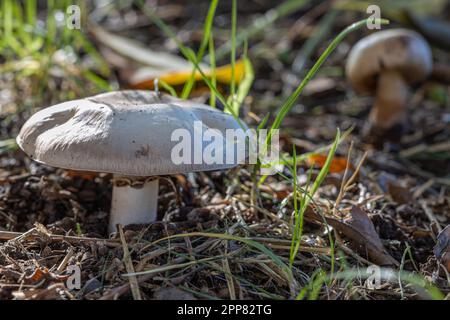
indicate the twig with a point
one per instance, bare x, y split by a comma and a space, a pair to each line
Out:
65, 261
266, 212
430, 214
10, 235
228, 274
421, 189
118, 291
346, 184
406, 167
134, 285
422, 148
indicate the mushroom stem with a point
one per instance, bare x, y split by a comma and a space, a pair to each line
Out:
392, 95
133, 205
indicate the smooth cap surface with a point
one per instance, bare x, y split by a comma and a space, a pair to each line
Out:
123, 132
396, 49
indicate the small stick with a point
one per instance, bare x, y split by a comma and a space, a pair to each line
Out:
419, 191
430, 214
134, 285
10, 235
62, 266
118, 291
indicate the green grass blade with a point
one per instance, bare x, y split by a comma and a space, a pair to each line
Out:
308, 195
233, 48
312, 72
30, 11
244, 86
7, 20
207, 30
51, 24
168, 87
418, 282
261, 24
212, 61
295, 240
189, 55
260, 247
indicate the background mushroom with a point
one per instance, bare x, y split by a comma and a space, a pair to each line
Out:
127, 133
386, 63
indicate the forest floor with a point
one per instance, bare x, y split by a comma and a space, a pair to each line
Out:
219, 236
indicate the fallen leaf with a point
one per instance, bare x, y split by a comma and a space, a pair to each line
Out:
164, 66
41, 275
359, 229
136, 51
396, 188
399, 193
360, 221
36, 276
144, 77
442, 248
338, 164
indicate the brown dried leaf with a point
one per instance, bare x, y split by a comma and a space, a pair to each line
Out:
41, 275
442, 248
360, 230
399, 193
371, 242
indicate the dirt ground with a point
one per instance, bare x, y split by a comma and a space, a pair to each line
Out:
207, 242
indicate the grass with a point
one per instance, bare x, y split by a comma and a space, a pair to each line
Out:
426, 289
212, 62
205, 43
188, 53
307, 196
20, 43
261, 24
233, 50
247, 241
32, 47
233, 103
290, 101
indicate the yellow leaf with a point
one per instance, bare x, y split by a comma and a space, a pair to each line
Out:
175, 78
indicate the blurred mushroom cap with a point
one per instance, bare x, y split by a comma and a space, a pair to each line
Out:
123, 132
402, 50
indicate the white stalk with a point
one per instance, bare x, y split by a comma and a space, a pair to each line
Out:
390, 104
132, 205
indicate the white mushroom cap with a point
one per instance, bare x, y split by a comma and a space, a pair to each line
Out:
401, 50
124, 132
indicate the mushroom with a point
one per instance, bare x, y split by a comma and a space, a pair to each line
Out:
129, 134
386, 63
